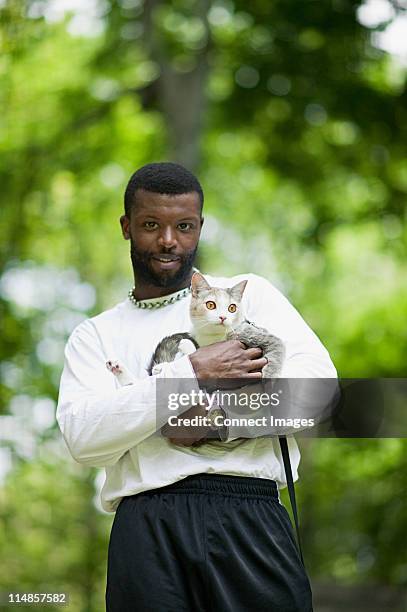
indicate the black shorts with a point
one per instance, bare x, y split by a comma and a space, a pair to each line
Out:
208, 543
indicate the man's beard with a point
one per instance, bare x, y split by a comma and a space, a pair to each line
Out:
143, 270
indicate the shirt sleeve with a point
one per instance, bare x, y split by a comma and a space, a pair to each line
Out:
305, 358
305, 355
99, 421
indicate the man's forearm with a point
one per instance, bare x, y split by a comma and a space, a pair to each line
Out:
279, 407
100, 426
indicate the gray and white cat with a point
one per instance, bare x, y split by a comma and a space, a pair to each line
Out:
217, 314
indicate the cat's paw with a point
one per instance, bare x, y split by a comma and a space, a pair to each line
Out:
157, 369
186, 347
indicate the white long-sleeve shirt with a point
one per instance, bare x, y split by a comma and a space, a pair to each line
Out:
106, 425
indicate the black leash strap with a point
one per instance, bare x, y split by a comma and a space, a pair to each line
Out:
291, 490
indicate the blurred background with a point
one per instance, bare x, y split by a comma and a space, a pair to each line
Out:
293, 115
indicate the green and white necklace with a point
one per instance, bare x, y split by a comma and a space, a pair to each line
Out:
159, 302
165, 300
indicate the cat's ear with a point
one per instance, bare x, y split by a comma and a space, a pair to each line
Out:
198, 283
237, 290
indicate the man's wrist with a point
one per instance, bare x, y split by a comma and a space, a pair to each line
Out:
216, 417
195, 365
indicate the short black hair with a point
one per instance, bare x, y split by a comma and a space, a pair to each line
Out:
161, 177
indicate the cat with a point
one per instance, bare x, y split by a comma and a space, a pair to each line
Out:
217, 314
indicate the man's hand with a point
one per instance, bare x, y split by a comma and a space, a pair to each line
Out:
187, 435
229, 359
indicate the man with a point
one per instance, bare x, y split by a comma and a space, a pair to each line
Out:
197, 526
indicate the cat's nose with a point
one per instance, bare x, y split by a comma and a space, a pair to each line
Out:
222, 319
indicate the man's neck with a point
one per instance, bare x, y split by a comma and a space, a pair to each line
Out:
145, 291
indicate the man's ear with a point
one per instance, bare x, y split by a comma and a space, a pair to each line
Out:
201, 221
125, 223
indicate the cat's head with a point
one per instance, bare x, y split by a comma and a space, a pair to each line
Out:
214, 306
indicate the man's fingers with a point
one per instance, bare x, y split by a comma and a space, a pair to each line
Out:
257, 364
256, 375
254, 353
239, 343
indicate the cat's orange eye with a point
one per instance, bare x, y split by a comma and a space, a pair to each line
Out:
210, 305
232, 308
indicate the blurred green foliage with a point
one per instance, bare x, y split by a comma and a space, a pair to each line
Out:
295, 123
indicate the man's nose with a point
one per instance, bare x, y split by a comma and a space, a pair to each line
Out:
167, 238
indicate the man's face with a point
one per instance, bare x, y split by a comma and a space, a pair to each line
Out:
164, 232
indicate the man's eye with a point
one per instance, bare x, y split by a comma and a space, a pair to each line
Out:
150, 225
184, 226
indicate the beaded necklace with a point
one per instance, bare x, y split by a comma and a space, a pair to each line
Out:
160, 302
165, 300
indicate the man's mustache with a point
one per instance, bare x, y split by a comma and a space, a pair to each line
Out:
143, 268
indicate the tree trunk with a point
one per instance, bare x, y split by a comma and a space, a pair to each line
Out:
180, 96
